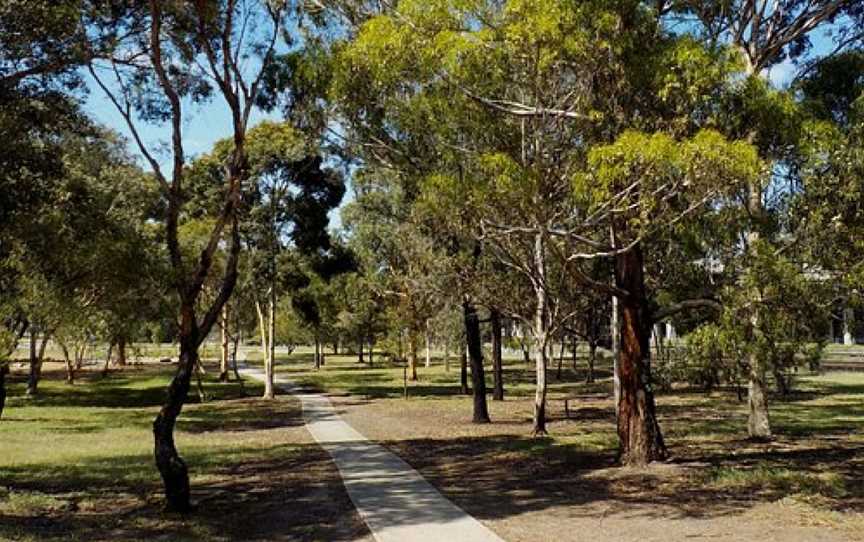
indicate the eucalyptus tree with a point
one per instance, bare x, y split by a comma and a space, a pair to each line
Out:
765, 34
542, 160
175, 53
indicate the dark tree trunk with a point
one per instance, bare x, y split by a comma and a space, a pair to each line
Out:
561, 358
317, 353
172, 468
497, 361
575, 358
640, 439
121, 351
463, 371
37, 354
475, 353
371, 350
592, 358
360, 351
526, 352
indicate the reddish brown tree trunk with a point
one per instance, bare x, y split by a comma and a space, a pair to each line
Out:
640, 439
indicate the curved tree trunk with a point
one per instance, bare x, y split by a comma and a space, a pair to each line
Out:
640, 439
172, 468
475, 353
497, 357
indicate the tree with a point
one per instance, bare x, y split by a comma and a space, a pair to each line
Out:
172, 53
766, 33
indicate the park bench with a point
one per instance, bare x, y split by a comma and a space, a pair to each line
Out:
586, 397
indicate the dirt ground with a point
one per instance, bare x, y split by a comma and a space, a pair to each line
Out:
536, 490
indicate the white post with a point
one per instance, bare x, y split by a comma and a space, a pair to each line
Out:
670, 331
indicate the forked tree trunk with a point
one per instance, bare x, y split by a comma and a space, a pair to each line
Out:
475, 353
497, 355
37, 354
640, 439
70, 366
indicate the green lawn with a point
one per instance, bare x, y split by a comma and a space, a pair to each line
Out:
78, 460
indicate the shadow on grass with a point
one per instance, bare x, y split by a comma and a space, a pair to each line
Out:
287, 492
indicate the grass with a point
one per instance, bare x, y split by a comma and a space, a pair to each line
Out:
76, 463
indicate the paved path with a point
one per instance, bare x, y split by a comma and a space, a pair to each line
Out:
394, 500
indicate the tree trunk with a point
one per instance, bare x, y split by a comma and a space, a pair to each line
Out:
121, 351
360, 350
541, 337
223, 360
70, 366
526, 351
371, 350
234, 347
615, 332
561, 358
107, 359
475, 353
640, 439
592, 358
428, 347
463, 370
36, 357
497, 361
412, 354
446, 356
172, 468
317, 353
270, 367
575, 358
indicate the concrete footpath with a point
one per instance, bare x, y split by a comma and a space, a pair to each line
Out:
394, 500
